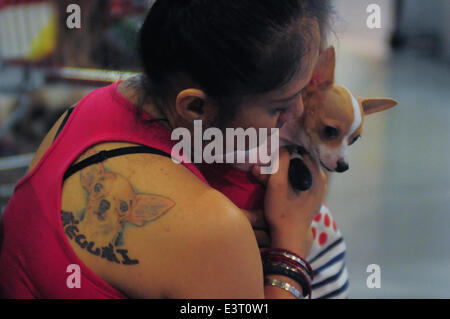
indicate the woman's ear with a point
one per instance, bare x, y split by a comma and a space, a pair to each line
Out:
191, 105
323, 75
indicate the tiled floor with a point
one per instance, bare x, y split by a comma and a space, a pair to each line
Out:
393, 206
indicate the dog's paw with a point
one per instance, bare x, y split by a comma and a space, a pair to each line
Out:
300, 176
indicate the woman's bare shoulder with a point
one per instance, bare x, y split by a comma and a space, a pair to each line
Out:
202, 239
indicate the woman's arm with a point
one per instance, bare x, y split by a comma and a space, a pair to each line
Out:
211, 254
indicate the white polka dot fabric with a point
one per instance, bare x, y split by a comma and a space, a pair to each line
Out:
327, 258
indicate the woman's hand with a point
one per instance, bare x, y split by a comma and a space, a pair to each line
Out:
287, 213
262, 232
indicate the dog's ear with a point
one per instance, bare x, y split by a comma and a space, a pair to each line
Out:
323, 75
376, 105
147, 208
92, 172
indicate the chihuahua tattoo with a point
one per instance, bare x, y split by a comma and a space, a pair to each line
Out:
112, 206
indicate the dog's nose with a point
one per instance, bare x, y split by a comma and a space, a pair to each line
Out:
104, 205
341, 167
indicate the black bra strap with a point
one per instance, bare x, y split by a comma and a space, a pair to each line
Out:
69, 111
103, 155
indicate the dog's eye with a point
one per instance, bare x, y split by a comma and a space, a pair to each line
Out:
123, 206
355, 139
331, 132
98, 187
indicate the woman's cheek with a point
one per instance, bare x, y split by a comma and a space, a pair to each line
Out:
271, 121
258, 120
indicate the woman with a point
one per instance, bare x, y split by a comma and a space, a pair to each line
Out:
105, 213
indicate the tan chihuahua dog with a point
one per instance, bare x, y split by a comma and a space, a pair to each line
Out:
333, 117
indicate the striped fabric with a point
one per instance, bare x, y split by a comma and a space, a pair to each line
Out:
327, 258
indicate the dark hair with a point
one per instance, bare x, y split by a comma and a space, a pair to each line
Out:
227, 48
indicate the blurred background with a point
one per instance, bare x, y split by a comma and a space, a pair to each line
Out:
393, 205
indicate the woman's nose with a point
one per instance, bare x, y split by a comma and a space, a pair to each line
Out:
300, 108
294, 112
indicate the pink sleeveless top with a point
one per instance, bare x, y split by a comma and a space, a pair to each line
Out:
239, 186
35, 252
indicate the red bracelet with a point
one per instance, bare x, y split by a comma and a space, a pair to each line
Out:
279, 250
292, 263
